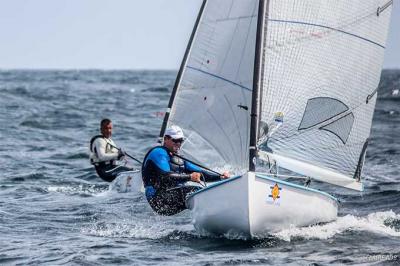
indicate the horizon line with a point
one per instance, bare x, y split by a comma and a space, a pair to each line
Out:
114, 69
85, 69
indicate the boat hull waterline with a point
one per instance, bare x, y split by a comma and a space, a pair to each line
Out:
255, 205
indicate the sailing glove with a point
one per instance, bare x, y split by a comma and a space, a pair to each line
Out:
121, 154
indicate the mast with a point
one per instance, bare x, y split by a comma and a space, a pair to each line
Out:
255, 101
179, 76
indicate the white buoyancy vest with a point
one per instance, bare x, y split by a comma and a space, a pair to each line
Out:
103, 150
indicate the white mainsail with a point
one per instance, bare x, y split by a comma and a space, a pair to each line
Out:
322, 67
213, 97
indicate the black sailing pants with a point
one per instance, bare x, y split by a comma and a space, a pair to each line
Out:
172, 201
109, 172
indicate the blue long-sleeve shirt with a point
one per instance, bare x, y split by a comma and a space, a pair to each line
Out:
159, 172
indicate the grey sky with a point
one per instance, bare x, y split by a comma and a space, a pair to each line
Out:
106, 34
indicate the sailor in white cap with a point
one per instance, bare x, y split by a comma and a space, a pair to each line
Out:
164, 174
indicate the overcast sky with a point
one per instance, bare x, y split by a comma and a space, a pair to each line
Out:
111, 34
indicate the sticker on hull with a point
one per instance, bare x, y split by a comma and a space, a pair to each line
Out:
274, 195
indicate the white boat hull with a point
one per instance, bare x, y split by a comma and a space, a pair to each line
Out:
130, 181
254, 205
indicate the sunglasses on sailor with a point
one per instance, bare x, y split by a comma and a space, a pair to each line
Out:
177, 140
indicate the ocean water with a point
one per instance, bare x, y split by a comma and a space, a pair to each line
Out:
55, 210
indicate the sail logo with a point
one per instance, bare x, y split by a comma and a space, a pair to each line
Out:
274, 195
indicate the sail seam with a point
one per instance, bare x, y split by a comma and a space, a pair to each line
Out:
326, 27
219, 77
236, 18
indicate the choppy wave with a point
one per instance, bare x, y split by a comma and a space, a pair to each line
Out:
83, 190
147, 229
382, 223
55, 210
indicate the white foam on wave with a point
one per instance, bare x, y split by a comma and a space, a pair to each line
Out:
374, 223
80, 189
126, 229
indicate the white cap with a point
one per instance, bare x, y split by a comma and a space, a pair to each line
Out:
174, 132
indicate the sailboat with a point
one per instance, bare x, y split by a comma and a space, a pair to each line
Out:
129, 181
289, 83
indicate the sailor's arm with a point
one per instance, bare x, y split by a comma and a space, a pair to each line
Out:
160, 159
177, 176
208, 176
165, 170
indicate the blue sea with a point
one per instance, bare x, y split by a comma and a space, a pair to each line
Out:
54, 210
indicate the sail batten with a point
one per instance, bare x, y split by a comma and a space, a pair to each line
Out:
219, 77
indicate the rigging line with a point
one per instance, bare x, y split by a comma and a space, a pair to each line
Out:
218, 77
326, 27
197, 164
130, 156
